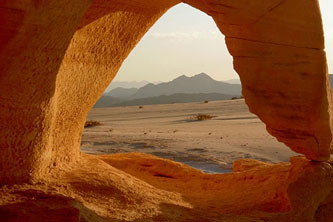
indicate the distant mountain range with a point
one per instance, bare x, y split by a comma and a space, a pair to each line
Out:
123, 93
125, 84
233, 81
109, 101
201, 83
183, 89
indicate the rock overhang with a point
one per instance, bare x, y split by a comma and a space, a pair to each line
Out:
56, 59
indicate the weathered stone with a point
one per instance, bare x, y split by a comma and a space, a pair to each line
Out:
141, 187
57, 57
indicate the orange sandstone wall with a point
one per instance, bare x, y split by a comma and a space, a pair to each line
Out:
278, 51
33, 40
57, 57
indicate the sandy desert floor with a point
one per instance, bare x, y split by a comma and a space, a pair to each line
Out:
170, 131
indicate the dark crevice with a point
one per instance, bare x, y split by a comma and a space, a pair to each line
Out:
163, 175
269, 11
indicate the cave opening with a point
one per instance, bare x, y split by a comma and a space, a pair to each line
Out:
162, 116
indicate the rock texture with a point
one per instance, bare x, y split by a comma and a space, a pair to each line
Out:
141, 187
57, 57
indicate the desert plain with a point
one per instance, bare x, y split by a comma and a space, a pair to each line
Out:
172, 131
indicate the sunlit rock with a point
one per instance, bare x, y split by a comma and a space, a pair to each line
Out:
57, 58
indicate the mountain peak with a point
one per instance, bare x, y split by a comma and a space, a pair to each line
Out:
202, 75
182, 77
199, 83
197, 76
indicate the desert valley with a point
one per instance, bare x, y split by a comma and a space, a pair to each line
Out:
173, 131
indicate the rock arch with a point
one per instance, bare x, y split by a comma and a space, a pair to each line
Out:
56, 59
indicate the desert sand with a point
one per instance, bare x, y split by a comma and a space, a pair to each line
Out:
171, 131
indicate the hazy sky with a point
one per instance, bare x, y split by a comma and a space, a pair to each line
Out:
187, 41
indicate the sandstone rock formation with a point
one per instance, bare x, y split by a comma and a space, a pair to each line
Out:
141, 187
57, 57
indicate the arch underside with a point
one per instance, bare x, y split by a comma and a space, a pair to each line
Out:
58, 56
60, 62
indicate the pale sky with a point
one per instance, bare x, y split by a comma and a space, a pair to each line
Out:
187, 41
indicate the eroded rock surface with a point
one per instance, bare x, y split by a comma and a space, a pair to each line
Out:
141, 187
56, 59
